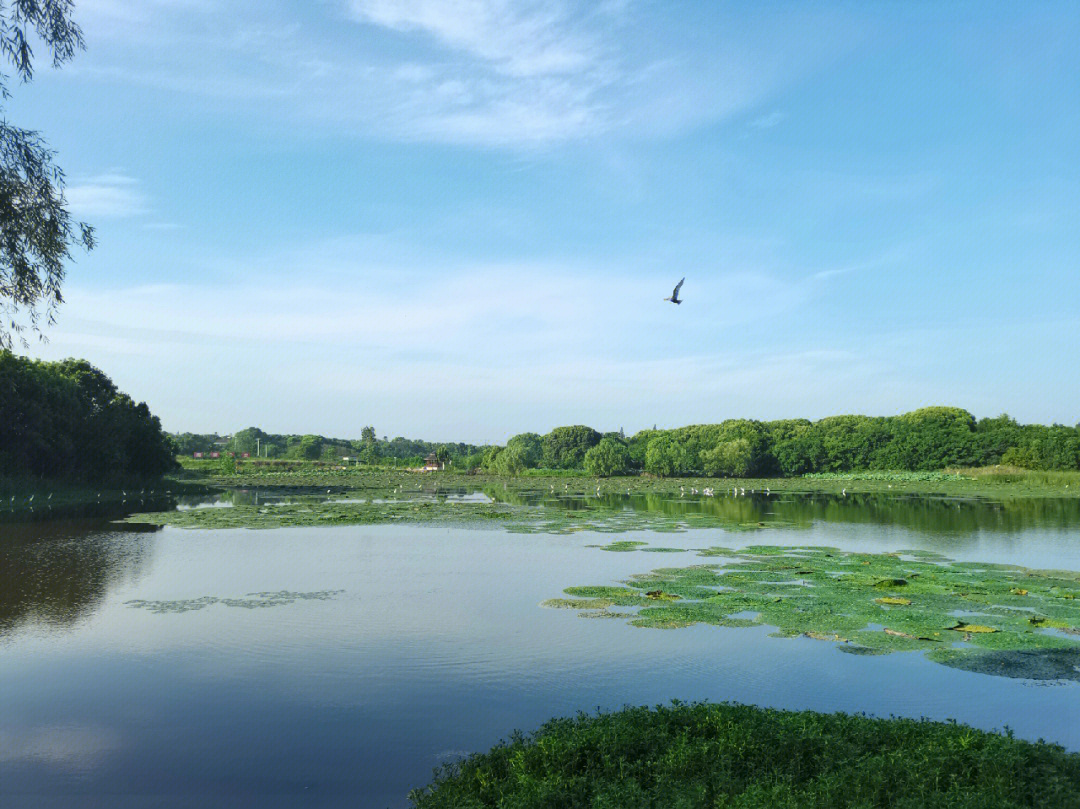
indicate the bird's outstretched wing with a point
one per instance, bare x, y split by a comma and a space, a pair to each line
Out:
678, 286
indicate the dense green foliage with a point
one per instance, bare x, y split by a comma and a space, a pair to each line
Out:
609, 457
38, 232
933, 438
67, 420
368, 449
930, 439
704, 755
565, 447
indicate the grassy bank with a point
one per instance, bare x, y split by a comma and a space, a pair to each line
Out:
707, 755
986, 481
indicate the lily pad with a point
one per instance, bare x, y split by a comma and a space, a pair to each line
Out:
831, 595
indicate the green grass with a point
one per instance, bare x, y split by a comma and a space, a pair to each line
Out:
989, 481
722, 755
892, 477
1013, 621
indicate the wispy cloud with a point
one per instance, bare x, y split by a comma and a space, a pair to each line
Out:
890, 258
768, 121
113, 195
521, 39
488, 72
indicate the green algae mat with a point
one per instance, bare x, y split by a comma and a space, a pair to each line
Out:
990, 618
702, 756
250, 601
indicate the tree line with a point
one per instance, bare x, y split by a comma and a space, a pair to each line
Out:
368, 449
68, 420
932, 438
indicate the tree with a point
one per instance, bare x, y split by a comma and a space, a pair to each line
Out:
67, 419
36, 230
250, 440
565, 447
310, 447
511, 461
728, 459
609, 457
367, 435
530, 448
666, 457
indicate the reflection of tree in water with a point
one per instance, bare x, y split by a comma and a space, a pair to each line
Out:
59, 572
922, 513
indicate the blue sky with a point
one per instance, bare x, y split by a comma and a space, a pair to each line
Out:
457, 219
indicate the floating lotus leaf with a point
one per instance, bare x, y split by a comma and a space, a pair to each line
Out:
976, 628
827, 594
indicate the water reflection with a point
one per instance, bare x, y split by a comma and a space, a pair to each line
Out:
936, 515
922, 513
59, 572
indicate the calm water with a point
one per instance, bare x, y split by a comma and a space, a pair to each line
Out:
432, 645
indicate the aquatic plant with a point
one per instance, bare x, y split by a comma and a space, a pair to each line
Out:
699, 756
249, 601
874, 604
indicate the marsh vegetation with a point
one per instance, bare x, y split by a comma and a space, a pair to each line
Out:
704, 756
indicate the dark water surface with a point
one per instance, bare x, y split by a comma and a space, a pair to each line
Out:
375, 653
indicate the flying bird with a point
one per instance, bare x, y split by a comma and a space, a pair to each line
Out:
675, 295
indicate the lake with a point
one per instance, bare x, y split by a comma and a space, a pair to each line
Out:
337, 666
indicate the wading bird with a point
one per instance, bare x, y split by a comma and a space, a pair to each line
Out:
675, 295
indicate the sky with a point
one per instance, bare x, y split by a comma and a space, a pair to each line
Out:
458, 219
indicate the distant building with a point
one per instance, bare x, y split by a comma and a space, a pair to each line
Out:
432, 463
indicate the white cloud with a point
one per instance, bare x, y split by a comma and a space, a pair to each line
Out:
111, 195
508, 73
519, 38
505, 345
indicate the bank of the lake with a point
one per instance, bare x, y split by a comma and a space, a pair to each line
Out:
982, 482
559, 503
25, 493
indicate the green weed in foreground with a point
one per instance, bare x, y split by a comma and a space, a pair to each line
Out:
1011, 621
723, 755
